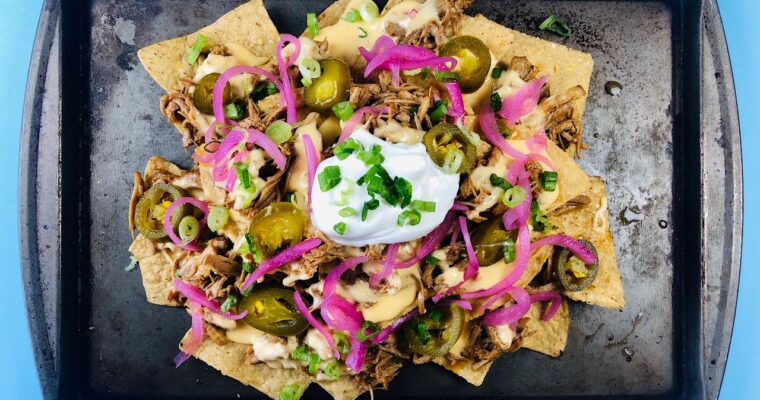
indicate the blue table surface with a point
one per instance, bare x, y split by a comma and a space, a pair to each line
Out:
18, 21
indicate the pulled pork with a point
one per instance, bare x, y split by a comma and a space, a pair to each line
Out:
433, 34
213, 273
380, 368
486, 345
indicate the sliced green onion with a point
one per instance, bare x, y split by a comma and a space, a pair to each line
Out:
557, 26
496, 73
340, 228
369, 11
346, 212
312, 25
412, 217
362, 333
231, 301
538, 219
217, 218
346, 188
341, 342
549, 180
509, 250
332, 369
472, 137
233, 111
353, 15
329, 178
132, 264
452, 161
421, 205
369, 205
347, 147
496, 102
252, 249
514, 196
446, 76
436, 315
343, 110
431, 260
242, 173
310, 68
372, 156
440, 108
362, 33
200, 42
188, 228
279, 131
291, 391
379, 182
413, 72
263, 90
313, 363
499, 182
300, 353
247, 267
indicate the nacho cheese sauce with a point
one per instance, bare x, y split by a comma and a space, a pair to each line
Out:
344, 38
381, 307
429, 183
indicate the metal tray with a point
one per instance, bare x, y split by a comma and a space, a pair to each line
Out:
668, 147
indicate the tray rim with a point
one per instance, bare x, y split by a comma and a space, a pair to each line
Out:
52, 379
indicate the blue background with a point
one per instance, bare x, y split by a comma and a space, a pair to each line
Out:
18, 21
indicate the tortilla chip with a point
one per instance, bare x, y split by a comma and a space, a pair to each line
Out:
229, 359
492, 34
464, 369
157, 165
344, 388
331, 15
248, 25
591, 222
548, 337
156, 271
571, 180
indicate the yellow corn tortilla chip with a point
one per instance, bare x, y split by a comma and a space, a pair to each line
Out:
344, 388
229, 359
464, 370
248, 25
591, 222
571, 180
156, 271
547, 337
332, 14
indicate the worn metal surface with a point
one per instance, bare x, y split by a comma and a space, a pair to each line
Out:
643, 143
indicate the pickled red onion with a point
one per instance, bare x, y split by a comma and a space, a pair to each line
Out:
511, 314
217, 100
430, 241
463, 304
287, 87
554, 297
196, 336
390, 262
580, 251
522, 102
312, 162
341, 314
288, 255
457, 102
472, 262
301, 307
198, 297
259, 139
356, 118
192, 246
393, 327
331, 281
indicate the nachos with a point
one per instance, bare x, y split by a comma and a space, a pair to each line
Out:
392, 187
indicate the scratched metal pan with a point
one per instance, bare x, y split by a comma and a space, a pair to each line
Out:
667, 145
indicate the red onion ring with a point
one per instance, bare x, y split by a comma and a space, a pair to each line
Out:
341, 314
197, 296
331, 281
457, 102
288, 255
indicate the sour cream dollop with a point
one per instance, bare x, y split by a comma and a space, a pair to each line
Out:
429, 183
